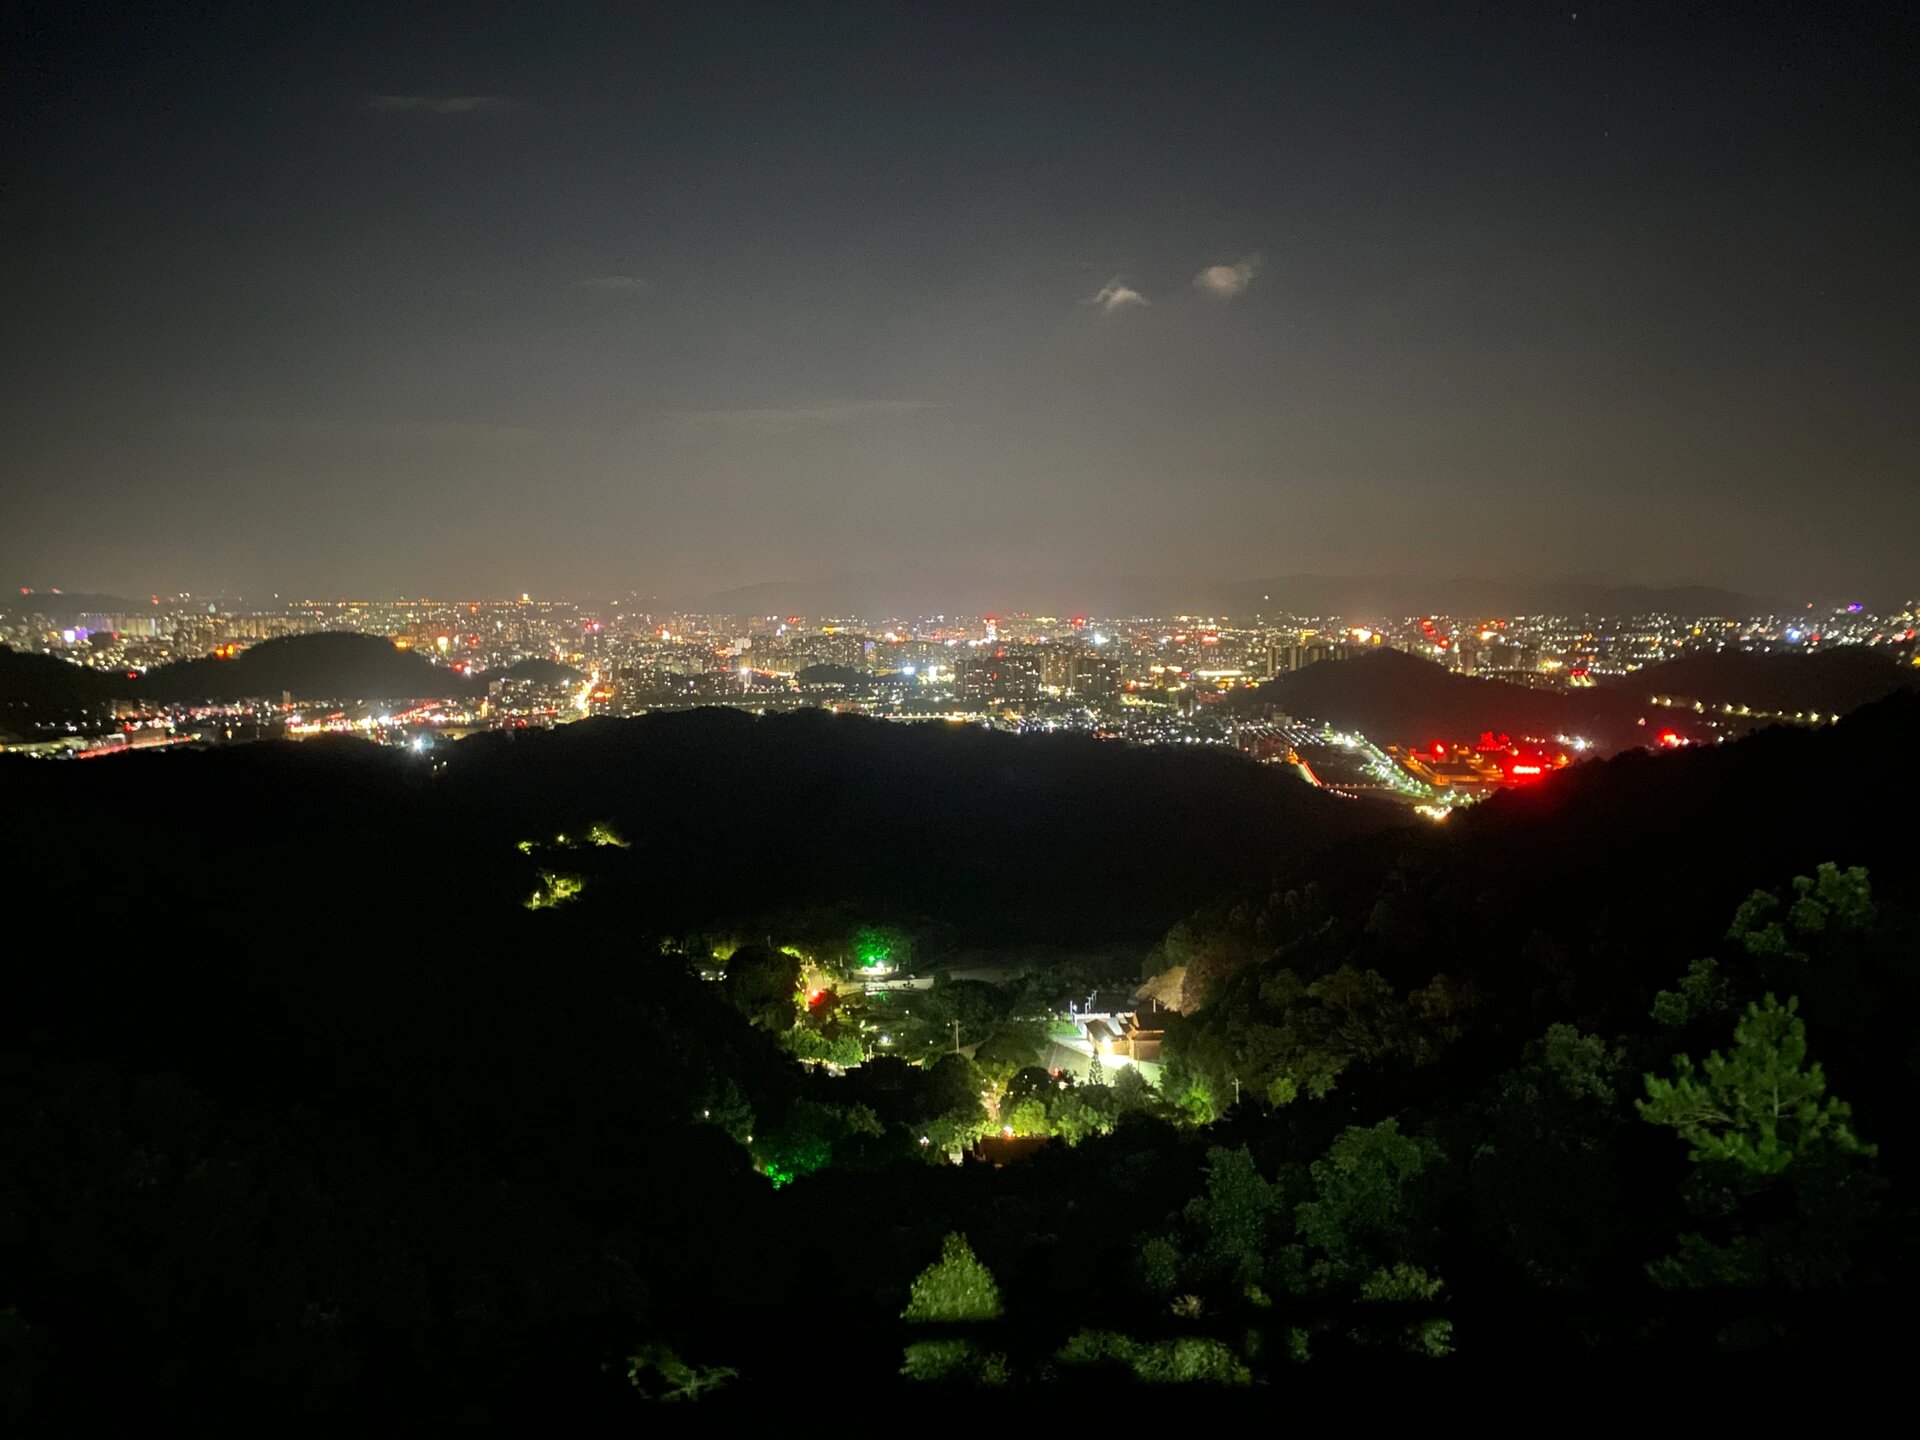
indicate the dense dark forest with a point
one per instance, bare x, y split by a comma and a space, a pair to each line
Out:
386, 1088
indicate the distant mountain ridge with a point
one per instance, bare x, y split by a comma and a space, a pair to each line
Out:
959, 592
63, 603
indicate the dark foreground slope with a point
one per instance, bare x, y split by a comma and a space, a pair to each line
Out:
1044, 838
1496, 992
303, 1114
728, 817
304, 1109
1581, 897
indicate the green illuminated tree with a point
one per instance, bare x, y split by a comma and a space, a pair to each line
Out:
878, 946
660, 1374
763, 984
1367, 1206
555, 888
807, 1044
1407, 1284
805, 1139
1702, 991
1027, 1117
1829, 900
1575, 1066
1072, 1118
1782, 1183
955, 1289
1011, 1048
1160, 1264
1234, 1217
1542, 1158
957, 1129
1198, 1104
1758, 1106
953, 1083
1183, 1360
1187, 1087
1133, 1092
845, 1050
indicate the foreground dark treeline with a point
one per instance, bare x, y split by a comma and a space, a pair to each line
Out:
729, 817
306, 1112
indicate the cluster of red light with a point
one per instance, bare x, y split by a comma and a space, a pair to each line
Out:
1521, 763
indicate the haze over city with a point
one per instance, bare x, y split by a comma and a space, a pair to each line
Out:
364, 299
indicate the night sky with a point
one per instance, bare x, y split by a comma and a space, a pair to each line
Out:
575, 298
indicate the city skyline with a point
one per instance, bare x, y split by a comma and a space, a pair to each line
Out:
353, 301
938, 592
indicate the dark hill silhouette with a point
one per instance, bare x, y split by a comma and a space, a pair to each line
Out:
328, 666
730, 815
1392, 697
33, 687
1829, 682
334, 665
1058, 838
